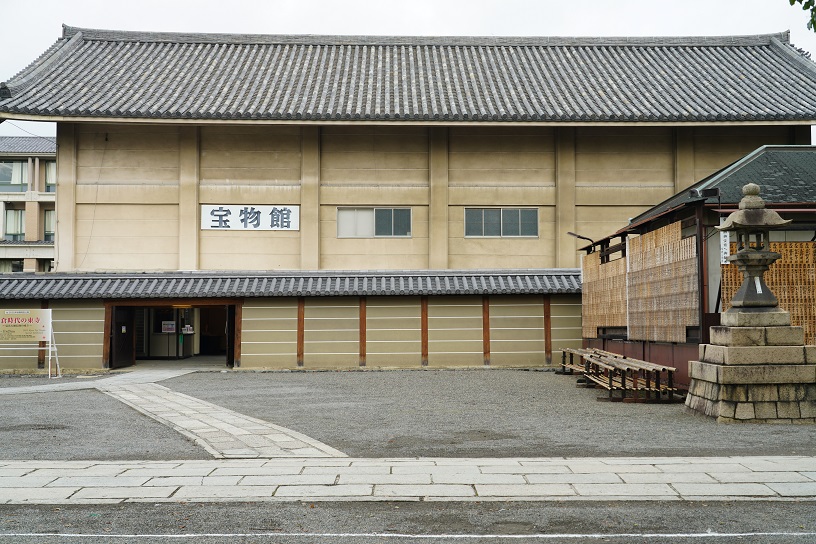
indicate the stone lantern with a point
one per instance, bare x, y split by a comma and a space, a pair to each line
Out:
751, 223
757, 367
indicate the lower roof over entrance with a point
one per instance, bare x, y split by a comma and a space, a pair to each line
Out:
155, 285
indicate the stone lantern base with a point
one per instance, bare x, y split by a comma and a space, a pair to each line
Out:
756, 369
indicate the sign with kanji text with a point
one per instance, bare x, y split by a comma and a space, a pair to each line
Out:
21, 326
247, 217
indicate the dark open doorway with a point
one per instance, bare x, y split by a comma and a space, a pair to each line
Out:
172, 331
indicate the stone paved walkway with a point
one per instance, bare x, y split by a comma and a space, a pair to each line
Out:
222, 432
419, 479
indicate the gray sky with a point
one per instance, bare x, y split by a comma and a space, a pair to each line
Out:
37, 23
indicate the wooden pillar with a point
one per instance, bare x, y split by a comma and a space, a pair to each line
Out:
547, 330
310, 198
66, 198
565, 215
438, 196
301, 328
106, 336
486, 329
362, 331
188, 198
239, 316
423, 326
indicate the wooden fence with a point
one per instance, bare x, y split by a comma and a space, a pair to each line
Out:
662, 285
792, 279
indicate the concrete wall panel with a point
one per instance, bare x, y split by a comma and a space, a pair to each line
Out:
367, 155
250, 156
126, 237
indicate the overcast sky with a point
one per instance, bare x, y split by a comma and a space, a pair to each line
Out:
33, 25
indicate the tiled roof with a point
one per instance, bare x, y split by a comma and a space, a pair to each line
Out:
114, 74
308, 284
785, 174
21, 145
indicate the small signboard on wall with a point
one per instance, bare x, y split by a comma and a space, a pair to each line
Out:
168, 326
246, 217
21, 326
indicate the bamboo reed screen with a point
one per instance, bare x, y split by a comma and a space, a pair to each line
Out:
663, 286
603, 294
792, 279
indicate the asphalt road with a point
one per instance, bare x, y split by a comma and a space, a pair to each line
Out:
468, 413
397, 523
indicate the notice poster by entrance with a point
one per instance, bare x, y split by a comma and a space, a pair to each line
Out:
168, 326
21, 326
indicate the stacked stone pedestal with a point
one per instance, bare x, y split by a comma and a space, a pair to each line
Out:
756, 369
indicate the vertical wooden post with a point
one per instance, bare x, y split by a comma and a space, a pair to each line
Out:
362, 331
106, 335
486, 329
236, 360
42, 345
547, 330
301, 327
424, 329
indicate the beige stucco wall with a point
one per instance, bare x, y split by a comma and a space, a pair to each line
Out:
79, 332
129, 195
566, 323
455, 331
393, 332
331, 336
517, 331
269, 333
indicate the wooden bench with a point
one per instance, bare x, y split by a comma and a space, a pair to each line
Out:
637, 381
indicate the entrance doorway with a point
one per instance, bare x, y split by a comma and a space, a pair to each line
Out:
161, 331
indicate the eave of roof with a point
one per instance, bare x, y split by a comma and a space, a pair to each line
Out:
203, 285
165, 77
781, 187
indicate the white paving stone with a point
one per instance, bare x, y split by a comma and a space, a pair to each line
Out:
379, 479
666, 478
123, 492
588, 478
306, 491
703, 467
706, 490
530, 490
758, 477
623, 490
39, 494
441, 490
807, 489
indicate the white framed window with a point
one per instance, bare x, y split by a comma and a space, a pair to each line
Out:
49, 224
13, 176
50, 176
15, 225
373, 222
501, 222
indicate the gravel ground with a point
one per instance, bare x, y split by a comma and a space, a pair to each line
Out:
480, 413
78, 425
463, 413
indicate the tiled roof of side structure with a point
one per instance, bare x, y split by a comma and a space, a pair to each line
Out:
308, 284
20, 145
112, 74
785, 174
